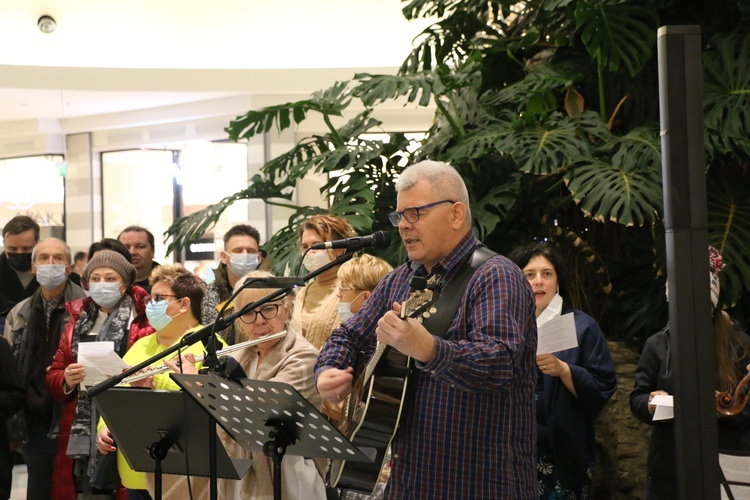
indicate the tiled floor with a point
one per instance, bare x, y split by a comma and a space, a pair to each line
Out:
19, 483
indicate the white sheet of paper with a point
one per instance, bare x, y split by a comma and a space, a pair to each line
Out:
99, 360
664, 407
557, 335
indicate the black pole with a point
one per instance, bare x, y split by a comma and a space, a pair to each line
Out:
686, 225
213, 470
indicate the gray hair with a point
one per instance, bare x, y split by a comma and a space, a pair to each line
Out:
446, 182
68, 252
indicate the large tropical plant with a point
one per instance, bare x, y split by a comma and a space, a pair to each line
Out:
549, 112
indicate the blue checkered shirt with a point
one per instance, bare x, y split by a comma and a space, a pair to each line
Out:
468, 429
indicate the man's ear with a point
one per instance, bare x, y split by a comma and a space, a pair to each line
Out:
224, 257
458, 215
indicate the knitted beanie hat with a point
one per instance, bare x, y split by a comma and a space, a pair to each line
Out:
715, 264
113, 260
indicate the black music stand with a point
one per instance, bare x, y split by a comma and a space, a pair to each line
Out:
271, 417
155, 434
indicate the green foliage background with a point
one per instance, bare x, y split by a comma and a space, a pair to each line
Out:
549, 110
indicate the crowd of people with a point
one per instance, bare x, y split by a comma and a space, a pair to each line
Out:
487, 412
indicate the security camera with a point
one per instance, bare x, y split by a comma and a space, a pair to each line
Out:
46, 24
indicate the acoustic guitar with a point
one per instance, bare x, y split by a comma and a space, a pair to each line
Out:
371, 413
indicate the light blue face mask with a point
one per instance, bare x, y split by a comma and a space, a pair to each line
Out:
105, 294
51, 276
242, 263
156, 312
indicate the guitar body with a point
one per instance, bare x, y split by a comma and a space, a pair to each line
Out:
373, 412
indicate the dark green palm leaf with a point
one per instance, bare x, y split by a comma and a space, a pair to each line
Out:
328, 102
729, 231
608, 193
492, 208
727, 95
639, 150
617, 35
548, 147
187, 229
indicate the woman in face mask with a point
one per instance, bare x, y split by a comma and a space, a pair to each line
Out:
174, 310
115, 311
357, 279
316, 311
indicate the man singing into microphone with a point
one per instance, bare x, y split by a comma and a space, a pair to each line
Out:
467, 428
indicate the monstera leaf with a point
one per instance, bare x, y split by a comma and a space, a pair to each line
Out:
727, 95
331, 101
617, 34
729, 231
607, 192
548, 147
187, 229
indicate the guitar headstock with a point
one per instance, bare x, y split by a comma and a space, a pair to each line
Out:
420, 304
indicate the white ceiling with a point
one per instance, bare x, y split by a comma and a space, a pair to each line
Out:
123, 55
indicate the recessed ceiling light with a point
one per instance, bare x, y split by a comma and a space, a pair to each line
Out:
46, 24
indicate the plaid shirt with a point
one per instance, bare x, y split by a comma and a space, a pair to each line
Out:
468, 430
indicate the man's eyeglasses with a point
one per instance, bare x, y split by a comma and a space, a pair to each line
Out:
412, 214
343, 289
158, 298
268, 312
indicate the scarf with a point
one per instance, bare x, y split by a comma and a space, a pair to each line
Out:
82, 446
552, 311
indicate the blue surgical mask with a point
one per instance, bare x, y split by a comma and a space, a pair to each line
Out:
242, 263
105, 294
345, 311
156, 312
51, 276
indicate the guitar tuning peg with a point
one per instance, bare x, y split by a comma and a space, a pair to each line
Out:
419, 319
425, 315
433, 310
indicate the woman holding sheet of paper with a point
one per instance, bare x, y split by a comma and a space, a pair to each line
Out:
653, 377
114, 312
573, 383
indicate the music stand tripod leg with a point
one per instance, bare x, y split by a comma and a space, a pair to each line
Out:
158, 451
275, 449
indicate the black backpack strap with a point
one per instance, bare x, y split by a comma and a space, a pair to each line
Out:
450, 298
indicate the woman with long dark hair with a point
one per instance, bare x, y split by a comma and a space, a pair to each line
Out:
654, 376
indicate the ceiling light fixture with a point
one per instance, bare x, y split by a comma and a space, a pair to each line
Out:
46, 24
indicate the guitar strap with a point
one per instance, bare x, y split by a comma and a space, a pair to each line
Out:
447, 304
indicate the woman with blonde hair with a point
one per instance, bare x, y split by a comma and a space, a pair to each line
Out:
316, 306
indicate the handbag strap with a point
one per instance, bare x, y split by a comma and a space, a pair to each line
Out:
447, 305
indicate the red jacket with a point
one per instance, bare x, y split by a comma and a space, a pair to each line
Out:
63, 484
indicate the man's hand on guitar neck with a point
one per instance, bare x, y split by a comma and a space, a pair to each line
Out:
335, 385
407, 336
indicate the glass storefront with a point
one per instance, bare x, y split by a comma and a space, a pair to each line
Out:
34, 186
149, 188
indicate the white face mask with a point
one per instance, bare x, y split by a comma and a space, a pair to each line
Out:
105, 294
345, 311
51, 276
242, 263
315, 260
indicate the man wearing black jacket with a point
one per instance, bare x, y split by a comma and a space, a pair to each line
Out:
17, 281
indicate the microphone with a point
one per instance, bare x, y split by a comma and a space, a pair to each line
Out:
274, 282
378, 239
